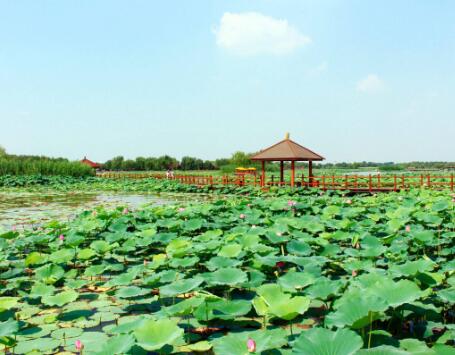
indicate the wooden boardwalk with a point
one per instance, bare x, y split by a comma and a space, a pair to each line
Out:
354, 183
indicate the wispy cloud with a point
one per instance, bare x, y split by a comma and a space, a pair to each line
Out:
371, 83
252, 33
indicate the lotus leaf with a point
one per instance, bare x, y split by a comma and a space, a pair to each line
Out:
155, 334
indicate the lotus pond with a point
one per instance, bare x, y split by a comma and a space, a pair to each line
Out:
311, 274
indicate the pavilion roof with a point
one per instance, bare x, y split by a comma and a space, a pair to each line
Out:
90, 163
287, 150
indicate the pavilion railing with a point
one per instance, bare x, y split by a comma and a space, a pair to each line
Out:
365, 183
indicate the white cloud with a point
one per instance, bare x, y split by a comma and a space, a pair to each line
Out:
371, 83
252, 33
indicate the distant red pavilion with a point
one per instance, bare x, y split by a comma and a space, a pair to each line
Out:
90, 163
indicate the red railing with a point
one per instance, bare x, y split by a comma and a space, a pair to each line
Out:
367, 183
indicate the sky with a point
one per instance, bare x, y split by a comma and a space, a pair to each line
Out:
351, 80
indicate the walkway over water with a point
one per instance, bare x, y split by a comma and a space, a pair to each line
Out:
354, 183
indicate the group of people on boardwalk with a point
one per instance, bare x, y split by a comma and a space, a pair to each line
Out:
170, 173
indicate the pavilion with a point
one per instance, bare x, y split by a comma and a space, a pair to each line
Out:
287, 150
90, 163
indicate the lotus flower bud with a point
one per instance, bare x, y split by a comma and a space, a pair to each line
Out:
61, 237
145, 262
242, 216
280, 264
354, 273
94, 213
13, 228
181, 209
125, 211
291, 203
79, 345
251, 345
408, 229
348, 202
279, 234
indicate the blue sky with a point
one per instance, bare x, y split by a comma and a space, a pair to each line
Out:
352, 80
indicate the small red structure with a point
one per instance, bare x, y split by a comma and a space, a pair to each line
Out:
90, 163
287, 150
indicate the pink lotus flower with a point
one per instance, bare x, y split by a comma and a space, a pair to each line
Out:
354, 273
348, 202
242, 216
13, 228
94, 213
145, 262
181, 209
291, 203
61, 237
251, 345
408, 229
79, 345
125, 211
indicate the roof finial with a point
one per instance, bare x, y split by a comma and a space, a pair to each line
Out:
286, 136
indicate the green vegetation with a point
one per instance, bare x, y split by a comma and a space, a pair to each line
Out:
311, 274
21, 165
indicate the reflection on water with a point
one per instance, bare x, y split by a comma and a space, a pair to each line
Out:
33, 209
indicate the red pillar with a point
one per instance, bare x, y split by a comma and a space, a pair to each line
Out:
292, 173
263, 174
310, 171
281, 172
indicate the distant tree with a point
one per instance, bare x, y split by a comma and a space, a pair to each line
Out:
240, 159
2, 151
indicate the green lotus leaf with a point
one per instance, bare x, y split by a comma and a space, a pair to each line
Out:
8, 302
415, 346
178, 248
155, 334
272, 300
49, 274
40, 346
66, 333
193, 224
320, 341
423, 236
218, 262
85, 254
101, 246
382, 350
119, 344
35, 258
227, 276
296, 280
236, 343
180, 287
323, 288
298, 248
8, 328
92, 342
356, 311
62, 256
441, 349
230, 250
201, 346
60, 299
411, 268
183, 308
39, 289
396, 293
131, 291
